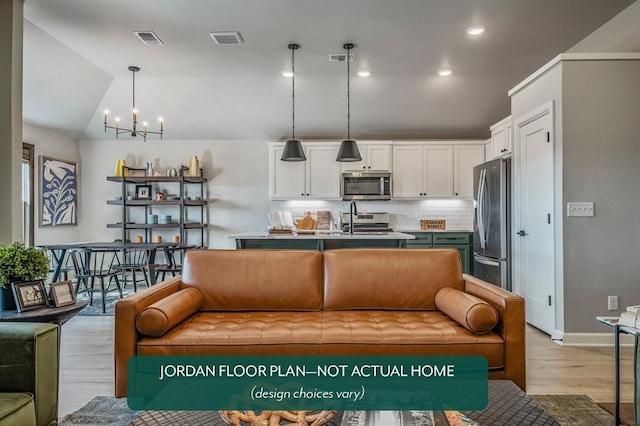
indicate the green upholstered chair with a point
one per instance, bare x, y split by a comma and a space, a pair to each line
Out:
29, 368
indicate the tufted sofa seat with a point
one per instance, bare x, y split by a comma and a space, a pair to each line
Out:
340, 302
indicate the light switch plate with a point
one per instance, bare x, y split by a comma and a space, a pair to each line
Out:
580, 209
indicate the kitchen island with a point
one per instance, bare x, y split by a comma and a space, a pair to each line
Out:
320, 240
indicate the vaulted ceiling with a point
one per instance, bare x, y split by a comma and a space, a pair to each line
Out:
76, 54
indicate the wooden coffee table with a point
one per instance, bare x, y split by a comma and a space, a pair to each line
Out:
51, 315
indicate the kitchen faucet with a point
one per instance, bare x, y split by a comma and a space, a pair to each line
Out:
352, 210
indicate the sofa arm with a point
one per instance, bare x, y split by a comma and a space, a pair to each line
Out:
511, 325
126, 334
29, 362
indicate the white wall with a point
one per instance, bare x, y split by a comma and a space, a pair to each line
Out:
52, 143
237, 187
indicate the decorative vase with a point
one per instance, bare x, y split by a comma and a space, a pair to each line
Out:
194, 166
149, 169
7, 301
119, 171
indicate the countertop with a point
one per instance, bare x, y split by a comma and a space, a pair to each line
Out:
323, 235
431, 230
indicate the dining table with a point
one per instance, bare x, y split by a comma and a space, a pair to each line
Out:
59, 252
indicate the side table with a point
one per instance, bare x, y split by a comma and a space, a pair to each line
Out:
51, 315
617, 329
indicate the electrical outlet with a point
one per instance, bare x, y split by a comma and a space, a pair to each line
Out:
612, 302
414, 214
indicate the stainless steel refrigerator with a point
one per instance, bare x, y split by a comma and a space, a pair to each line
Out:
492, 222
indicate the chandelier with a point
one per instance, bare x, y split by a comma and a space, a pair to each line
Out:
134, 130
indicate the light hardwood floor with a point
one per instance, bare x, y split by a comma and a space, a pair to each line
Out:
86, 365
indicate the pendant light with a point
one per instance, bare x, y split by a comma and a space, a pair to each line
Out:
293, 148
348, 148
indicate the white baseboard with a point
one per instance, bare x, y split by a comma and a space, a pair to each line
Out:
591, 339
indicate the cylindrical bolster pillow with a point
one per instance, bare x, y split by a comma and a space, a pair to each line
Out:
467, 310
162, 316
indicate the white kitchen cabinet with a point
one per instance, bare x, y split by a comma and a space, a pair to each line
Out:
407, 172
422, 171
318, 177
322, 176
375, 156
465, 158
501, 138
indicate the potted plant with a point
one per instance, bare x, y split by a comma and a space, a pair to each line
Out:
19, 263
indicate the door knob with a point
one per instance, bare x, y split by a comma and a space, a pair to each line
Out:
522, 233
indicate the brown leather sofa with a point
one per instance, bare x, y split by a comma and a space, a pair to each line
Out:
340, 302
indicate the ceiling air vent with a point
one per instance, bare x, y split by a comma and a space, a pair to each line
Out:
341, 57
148, 37
227, 37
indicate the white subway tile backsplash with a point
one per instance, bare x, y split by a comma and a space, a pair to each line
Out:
457, 213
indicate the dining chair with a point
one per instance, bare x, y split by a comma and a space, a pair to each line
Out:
133, 265
95, 264
174, 257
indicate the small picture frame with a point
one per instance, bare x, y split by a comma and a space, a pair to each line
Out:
143, 192
29, 295
62, 293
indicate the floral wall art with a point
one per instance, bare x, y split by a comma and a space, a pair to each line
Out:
59, 192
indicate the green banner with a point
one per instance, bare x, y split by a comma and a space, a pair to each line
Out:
307, 383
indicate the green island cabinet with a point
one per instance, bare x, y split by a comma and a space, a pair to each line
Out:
463, 241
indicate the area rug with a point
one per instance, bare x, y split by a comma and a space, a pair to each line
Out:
112, 297
575, 410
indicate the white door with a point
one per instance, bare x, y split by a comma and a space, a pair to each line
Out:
286, 180
465, 158
407, 171
323, 172
536, 233
438, 171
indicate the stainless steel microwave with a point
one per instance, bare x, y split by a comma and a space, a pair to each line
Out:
366, 186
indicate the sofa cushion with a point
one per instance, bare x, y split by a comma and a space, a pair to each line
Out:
157, 318
372, 332
397, 279
255, 280
17, 409
472, 313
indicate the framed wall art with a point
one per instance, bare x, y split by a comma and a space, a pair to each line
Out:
58, 192
62, 293
29, 295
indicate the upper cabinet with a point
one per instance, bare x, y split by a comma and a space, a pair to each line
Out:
465, 158
375, 156
318, 177
501, 138
422, 171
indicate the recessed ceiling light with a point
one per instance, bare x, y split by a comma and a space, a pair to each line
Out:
287, 74
364, 73
444, 72
476, 30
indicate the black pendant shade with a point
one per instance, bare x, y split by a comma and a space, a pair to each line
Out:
293, 148
348, 148
293, 151
349, 151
